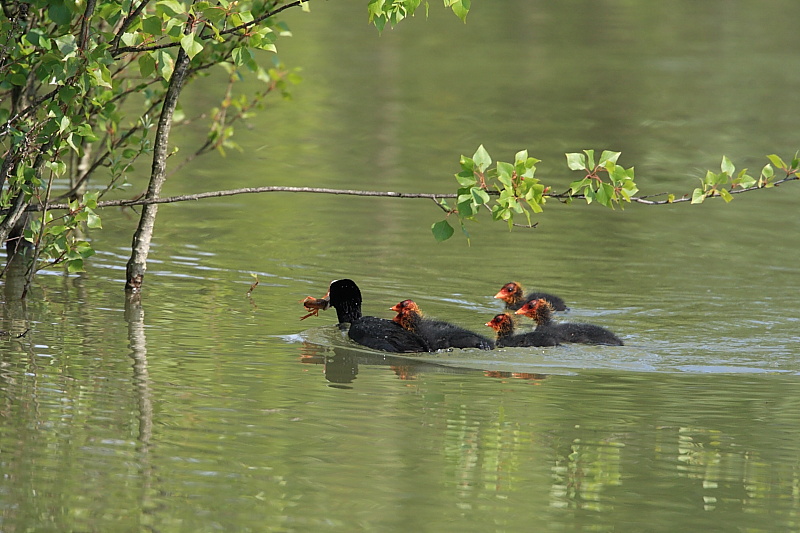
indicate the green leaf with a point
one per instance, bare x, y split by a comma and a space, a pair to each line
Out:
589, 158
75, 265
57, 167
576, 161
467, 163
241, 55
777, 161
608, 156
698, 196
727, 166
725, 195
190, 45
152, 25
504, 173
131, 39
90, 199
461, 8
442, 230
165, 64
480, 196
37, 38
172, 8
576, 186
63, 124
93, 220
59, 13
102, 75
85, 131
466, 208
747, 181
482, 159
67, 94
67, 45
767, 171
147, 65
629, 189
466, 178
500, 213
84, 249
605, 194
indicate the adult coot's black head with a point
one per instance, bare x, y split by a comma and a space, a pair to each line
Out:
345, 296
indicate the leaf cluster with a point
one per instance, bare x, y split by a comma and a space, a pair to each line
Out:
510, 189
81, 83
605, 182
715, 183
505, 190
392, 12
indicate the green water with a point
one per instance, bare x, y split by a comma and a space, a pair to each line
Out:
208, 410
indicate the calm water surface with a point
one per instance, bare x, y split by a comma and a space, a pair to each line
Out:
203, 409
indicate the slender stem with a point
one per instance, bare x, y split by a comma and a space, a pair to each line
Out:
37, 246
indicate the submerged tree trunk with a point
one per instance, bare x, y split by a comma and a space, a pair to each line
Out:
137, 264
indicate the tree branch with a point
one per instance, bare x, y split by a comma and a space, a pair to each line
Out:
127, 22
685, 198
347, 192
268, 14
87, 15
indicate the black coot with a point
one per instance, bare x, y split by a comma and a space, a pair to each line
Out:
378, 333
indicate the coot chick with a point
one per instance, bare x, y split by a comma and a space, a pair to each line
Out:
514, 297
378, 333
438, 334
541, 312
503, 323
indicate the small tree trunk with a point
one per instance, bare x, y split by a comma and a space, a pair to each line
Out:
137, 264
13, 224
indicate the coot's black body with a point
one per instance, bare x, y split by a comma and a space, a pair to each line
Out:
370, 331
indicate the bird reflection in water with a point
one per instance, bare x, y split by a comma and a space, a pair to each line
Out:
341, 365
